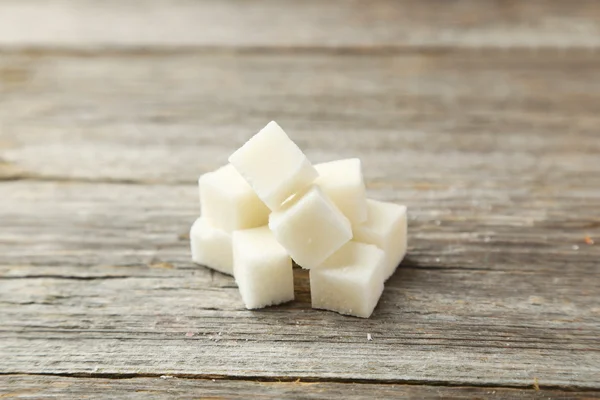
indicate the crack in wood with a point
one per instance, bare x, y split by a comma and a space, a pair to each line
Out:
75, 277
299, 378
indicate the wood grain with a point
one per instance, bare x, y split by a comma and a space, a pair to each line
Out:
493, 293
40, 387
90, 284
481, 116
89, 24
517, 117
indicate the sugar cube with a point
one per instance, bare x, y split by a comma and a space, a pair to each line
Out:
273, 165
343, 182
228, 202
211, 246
310, 227
262, 268
350, 281
386, 227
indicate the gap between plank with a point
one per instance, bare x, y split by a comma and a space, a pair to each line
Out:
29, 177
304, 379
378, 50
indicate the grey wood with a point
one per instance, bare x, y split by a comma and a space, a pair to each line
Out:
481, 116
42, 387
434, 120
462, 310
333, 24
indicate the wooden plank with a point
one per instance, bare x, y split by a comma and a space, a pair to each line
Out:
96, 278
157, 119
501, 180
467, 228
37, 387
313, 23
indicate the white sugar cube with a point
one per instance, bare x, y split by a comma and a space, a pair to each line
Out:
262, 268
273, 165
350, 281
343, 182
386, 227
310, 227
228, 202
211, 246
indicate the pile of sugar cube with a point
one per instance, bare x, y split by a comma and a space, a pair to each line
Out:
270, 205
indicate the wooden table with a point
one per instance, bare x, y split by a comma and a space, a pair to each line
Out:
482, 116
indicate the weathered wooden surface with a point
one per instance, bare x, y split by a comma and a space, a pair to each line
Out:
521, 118
496, 153
268, 23
486, 305
166, 386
